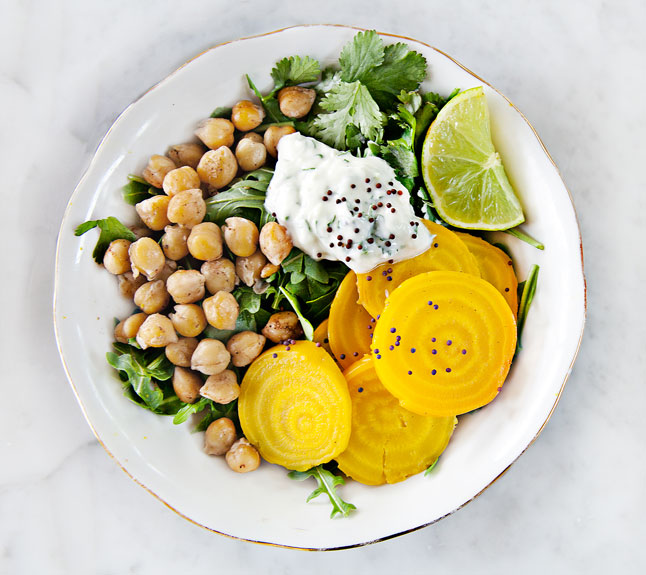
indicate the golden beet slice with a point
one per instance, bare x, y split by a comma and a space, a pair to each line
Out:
495, 266
321, 336
350, 325
447, 252
294, 406
388, 443
444, 343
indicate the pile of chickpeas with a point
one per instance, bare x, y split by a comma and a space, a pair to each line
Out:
177, 304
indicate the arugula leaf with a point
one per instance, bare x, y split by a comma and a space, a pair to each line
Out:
526, 289
269, 103
221, 112
145, 375
141, 382
111, 229
295, 70
308, 329
518, 233
431, 467
364, 52
216, 411
245, 322
348, 103
190, 408
137, 190
327, 483
245, 198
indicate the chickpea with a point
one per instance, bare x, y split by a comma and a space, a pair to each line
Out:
180, 179
187, 208
186, 286
222, 388
219, 436
281, 326
248, 269
116, 259
186, 154
152, 297
188, 320
244, 347
210, 357
153, 212
173, 242
296, 102
156, 170
128, 284
156, 331
275, 242
220, 275
129, 327
221, 310
241, 236
146, 257
246, 115
215, 132
140, 231
250, 155
186, 384
268, 270
218, 167
243, 457
170, 267
180, 352
205, 241
272, 135
253, 136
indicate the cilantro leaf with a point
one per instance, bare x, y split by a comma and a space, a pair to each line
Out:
364, 52
111, 229
295, 70
327, 483
402, 69
348, 103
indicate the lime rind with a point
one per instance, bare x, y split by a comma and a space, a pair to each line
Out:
462, 170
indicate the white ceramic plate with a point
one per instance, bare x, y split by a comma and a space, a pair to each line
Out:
266, 506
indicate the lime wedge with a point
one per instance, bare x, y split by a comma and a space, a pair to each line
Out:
462, 170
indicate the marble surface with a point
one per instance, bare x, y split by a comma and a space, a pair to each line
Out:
574, 503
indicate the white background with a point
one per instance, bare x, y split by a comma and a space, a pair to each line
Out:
574, 503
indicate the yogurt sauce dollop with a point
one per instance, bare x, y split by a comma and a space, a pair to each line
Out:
340, 207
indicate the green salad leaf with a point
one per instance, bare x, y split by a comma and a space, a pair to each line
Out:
526, 291
328, 484
111, 229
348, 103
142, 372
222, 112
295, 70
137, 190
245, 197
398, 69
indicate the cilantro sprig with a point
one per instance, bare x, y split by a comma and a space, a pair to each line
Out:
371, 78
